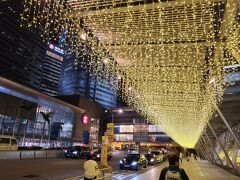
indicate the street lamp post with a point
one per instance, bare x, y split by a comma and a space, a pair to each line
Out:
112, 116
120, 111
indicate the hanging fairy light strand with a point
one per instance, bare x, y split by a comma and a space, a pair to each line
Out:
168, 55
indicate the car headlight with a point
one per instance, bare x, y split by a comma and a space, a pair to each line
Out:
98, 155
74, 152
152, 160
121, 162
134, 163
65, 151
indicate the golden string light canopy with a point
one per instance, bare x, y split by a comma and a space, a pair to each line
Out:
168, 57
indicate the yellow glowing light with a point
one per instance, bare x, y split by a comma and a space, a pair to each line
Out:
83, 37
170, 54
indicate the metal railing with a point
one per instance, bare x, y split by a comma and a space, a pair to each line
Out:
31, 154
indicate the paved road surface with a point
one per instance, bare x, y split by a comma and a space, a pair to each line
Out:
57, 169
72, 169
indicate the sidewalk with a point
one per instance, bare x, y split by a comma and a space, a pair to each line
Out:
196, 170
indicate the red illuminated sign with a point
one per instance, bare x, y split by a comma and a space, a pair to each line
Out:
51, 46
85, 119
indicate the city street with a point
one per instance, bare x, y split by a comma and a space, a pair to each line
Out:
58, 169
137, 85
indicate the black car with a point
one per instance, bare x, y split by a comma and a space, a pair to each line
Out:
133, 161
151, 158
77, 152
97, 155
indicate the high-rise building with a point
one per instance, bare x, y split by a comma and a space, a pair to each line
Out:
73, 79
76, 81
52, 70
103, 93
22, 51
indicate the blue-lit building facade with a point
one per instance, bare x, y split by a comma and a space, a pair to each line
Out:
76, 80
21, 115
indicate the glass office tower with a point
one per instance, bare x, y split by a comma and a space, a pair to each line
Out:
75, 80
52, 70
22, 52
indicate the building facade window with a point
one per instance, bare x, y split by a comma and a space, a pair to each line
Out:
123, 137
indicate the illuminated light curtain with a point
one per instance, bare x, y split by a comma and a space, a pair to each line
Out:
233, 43
167, 55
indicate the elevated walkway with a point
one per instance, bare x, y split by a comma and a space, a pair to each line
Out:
196, 170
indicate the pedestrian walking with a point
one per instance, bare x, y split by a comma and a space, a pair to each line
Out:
91, 169
181, 156
173, 172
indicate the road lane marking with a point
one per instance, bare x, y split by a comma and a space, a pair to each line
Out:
117, 175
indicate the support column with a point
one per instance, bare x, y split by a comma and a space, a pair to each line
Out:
214, 150
225, 153
202, 153
205, 150
202, 150
16, 119
235, 153
210, 154
229, 128
197, 150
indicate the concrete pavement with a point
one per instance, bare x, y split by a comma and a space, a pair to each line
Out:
196, 170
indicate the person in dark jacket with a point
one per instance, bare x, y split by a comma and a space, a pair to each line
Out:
173, 171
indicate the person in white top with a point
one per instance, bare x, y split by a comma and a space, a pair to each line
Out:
91, 169
181, 156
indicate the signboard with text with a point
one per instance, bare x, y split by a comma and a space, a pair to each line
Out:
104, 150
85, 137
110, 125
55, 130
110, 129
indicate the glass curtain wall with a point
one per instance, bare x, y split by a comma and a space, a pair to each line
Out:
25, 120
140, 133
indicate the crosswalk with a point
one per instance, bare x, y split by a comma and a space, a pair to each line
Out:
117, 175
123, 175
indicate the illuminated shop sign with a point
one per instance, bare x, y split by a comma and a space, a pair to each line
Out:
55, 48
85, 119
55, 56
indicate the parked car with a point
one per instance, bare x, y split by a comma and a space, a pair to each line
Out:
151, 158
158, 155
133, 151
8, 143
77, 152
97, 155
133, 161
